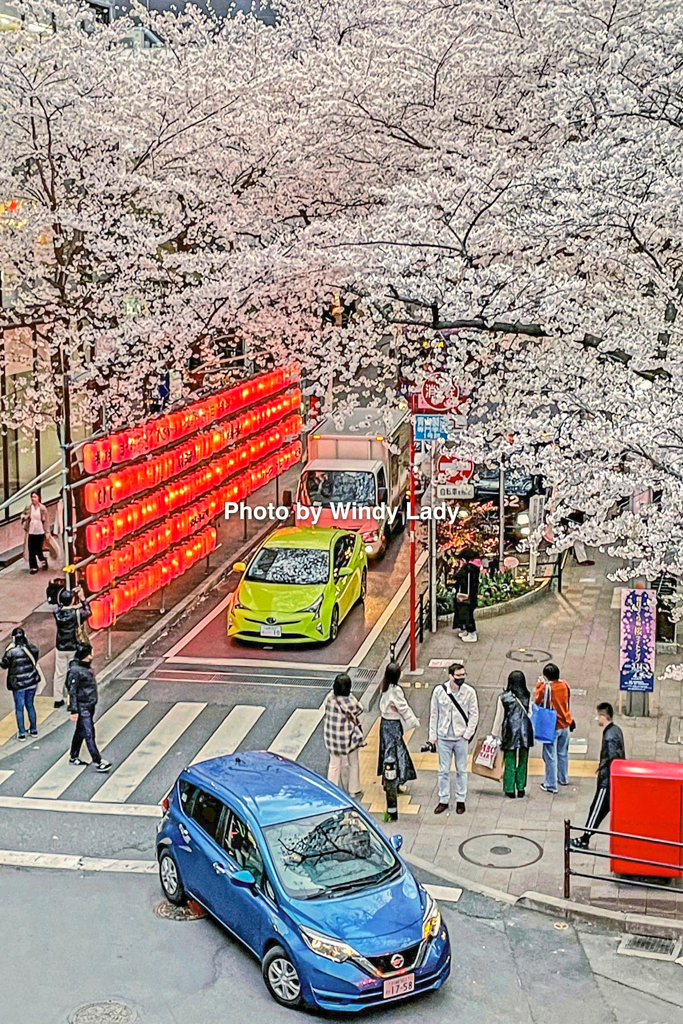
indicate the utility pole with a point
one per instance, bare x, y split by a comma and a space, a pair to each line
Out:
433, 620
65, 448
413, 551
501, 514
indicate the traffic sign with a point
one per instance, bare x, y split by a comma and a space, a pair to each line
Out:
435, 428
451, 469
455, 492
437, 394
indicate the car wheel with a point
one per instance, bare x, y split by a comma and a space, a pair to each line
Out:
281, 977
334, 624
363, 586
169, 876
401, 519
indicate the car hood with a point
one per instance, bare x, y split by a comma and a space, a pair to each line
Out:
277, 597
373, 921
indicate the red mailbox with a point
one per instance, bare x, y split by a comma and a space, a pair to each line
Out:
647, 800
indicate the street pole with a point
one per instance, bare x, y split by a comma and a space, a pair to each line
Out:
413, 553
501, 515
433, 620
65, 448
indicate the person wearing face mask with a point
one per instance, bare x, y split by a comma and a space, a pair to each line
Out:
453, 719
82, 690
611, 749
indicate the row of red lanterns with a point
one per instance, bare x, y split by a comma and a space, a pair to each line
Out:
106, 530
105, 491
100, 573
141, 585
126, 445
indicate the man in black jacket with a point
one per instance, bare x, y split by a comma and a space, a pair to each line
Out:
82, 689
71, 613
21, 661
612, 749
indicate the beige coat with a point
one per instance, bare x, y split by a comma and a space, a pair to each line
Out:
26, 518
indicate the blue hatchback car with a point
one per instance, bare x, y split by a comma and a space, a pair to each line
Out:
300, 874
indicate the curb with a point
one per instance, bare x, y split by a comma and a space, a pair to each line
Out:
616, 920
106, 676
493, 611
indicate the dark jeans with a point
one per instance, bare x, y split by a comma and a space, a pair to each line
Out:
464, 617
85, 730
35, 550
24, 699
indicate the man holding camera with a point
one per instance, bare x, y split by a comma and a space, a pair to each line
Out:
71, 614
453, 719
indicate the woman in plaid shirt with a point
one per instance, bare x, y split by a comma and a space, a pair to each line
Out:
343, 735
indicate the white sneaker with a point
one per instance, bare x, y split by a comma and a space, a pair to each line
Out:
469, 638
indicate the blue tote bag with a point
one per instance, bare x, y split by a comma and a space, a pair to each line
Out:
544, 720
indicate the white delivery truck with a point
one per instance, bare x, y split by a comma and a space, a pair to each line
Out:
356, 476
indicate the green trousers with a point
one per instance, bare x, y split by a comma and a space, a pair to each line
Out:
516, 762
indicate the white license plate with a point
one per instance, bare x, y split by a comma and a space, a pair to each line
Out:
271, 631
399, 986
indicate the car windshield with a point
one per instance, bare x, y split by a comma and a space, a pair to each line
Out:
328, 854
290, 566
323, 486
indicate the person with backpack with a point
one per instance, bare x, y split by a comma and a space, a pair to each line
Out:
611, 749
453, 719
82, 690
71, 614
397, 717
21, 661
513, 724
553, 692
343, 735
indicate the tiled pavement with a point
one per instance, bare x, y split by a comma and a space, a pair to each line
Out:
579, 630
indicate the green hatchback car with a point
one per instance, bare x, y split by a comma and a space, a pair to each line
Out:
299, 586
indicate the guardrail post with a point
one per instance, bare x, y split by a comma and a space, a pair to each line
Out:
559, 573
567, 855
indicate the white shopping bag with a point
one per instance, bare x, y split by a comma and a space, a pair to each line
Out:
487, 755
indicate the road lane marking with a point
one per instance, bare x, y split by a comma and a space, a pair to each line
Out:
445, 893
148, 753
8, 725
256, 663
230, 733
185, 640
24, 803
386, 615
297, 731
68, 862
5, 774
135, 688
59, 777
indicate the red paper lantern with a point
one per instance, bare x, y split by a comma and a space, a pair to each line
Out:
101, 612
98, 494
97, 456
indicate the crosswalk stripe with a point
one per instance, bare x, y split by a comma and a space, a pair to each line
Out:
5, 774
59, 777
296, 732
149, 752
8, 724
230, 733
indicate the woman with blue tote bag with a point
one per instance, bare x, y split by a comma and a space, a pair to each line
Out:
552, 722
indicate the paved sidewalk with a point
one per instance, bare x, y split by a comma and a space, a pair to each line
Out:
517, 845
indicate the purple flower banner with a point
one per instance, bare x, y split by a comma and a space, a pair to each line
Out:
637, 640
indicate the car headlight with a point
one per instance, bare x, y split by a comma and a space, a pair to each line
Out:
238, 604
523, 519
314, 608
431, 922
323, 945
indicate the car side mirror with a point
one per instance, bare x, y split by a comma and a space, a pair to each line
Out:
287, 499
243, 879
396, 841
239, 567
382, 495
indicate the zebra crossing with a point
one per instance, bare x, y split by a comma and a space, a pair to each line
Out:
146, 753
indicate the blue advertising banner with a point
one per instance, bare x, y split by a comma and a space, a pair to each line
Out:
637, 641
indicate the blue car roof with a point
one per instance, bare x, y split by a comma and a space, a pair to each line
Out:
273, 788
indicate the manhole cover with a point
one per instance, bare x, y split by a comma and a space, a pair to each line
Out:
190, 912
107, 1012
528, 654
500, 851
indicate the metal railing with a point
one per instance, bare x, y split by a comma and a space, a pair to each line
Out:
570, 873
398, 650
558, 563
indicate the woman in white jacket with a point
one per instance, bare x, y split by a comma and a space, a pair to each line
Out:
397, 716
